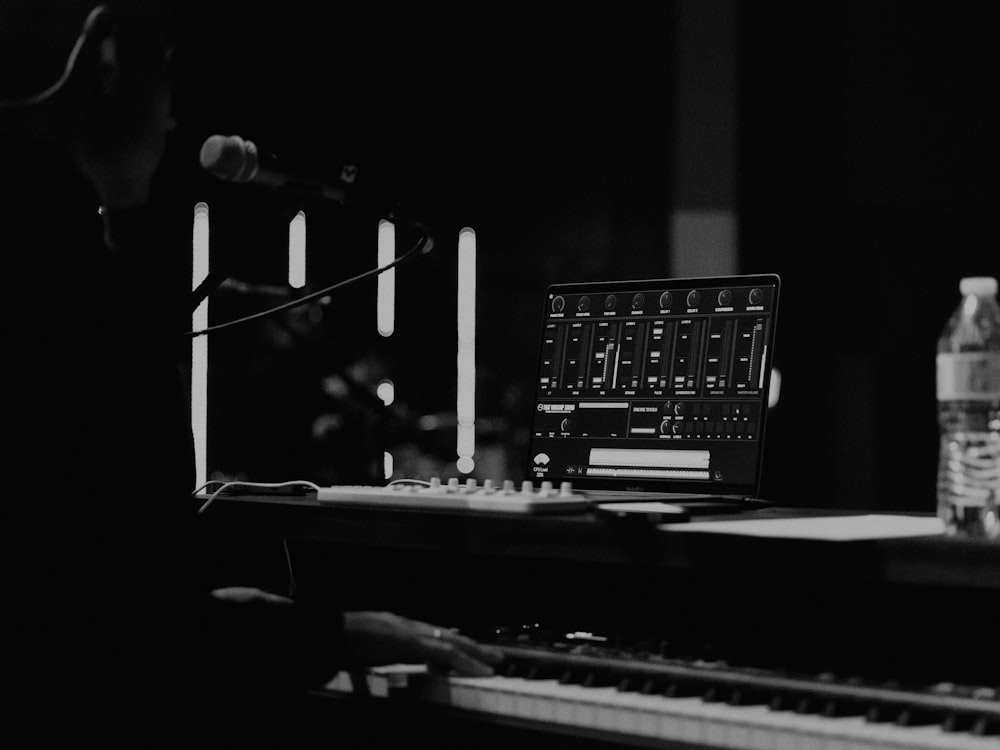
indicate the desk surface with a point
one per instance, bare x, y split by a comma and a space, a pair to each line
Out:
583, 537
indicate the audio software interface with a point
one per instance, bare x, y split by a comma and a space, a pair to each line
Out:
656, 384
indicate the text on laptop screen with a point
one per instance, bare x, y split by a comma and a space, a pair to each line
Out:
656, 384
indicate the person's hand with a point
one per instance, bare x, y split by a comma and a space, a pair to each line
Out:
248, 596
379, 638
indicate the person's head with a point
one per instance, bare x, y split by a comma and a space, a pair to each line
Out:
89, 78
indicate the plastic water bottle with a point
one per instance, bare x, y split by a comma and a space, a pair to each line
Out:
968, 397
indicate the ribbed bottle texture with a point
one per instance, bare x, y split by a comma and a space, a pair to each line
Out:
968, 398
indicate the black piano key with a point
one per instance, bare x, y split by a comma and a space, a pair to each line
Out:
879, 712
745, 695
808, 704
683, 689
651, 686
985, 726
600, 678
780, 702
833, 708
568, 677
540, 671
512, 669
715, 693
911, 716
957, 722
882, 713
543, 671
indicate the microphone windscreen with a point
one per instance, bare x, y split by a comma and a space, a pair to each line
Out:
229, 157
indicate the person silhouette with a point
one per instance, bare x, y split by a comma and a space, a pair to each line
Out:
120, 637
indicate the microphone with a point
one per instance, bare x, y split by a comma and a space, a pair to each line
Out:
236, 159
232, 158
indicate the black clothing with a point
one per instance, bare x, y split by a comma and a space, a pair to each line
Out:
109, 618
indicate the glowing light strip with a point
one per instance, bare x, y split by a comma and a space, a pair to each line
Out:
297, 251
199, 346
466, 402
774, 390
386, 294
386, 390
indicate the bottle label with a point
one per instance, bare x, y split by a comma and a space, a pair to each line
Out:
968, 375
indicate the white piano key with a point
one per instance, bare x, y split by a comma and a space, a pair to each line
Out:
740, 727
734, 726
644, 713
784, 730
533, 699
488, 697
464, 696
839, 743
585, 713
896, 738
524, 701
505, 698
607, 717
975, 743
715, 733
468, 692
855, 733
746, 727
682, 719
931, 737
762, 737
545, 699
575, 707
649, 724
599, 699
632, 716
565, 708
616, 715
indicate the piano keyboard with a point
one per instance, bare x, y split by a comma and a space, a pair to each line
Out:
706, 706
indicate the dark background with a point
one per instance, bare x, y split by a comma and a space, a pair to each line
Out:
863, 171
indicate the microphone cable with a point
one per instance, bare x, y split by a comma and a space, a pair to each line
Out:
424, 244
97, 22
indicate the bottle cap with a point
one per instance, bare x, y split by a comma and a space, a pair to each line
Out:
978, 286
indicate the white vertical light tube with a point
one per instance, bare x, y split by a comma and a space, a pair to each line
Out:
199, 346
386, 390
466, 402
385, 310
386, 294
297, 251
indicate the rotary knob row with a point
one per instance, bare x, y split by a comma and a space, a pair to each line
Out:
693, 299
507, 487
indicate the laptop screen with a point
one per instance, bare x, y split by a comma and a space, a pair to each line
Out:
655, 385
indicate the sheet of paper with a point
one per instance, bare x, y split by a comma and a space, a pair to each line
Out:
829, 528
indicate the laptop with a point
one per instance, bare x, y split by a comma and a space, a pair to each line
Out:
655, 390
651, 400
